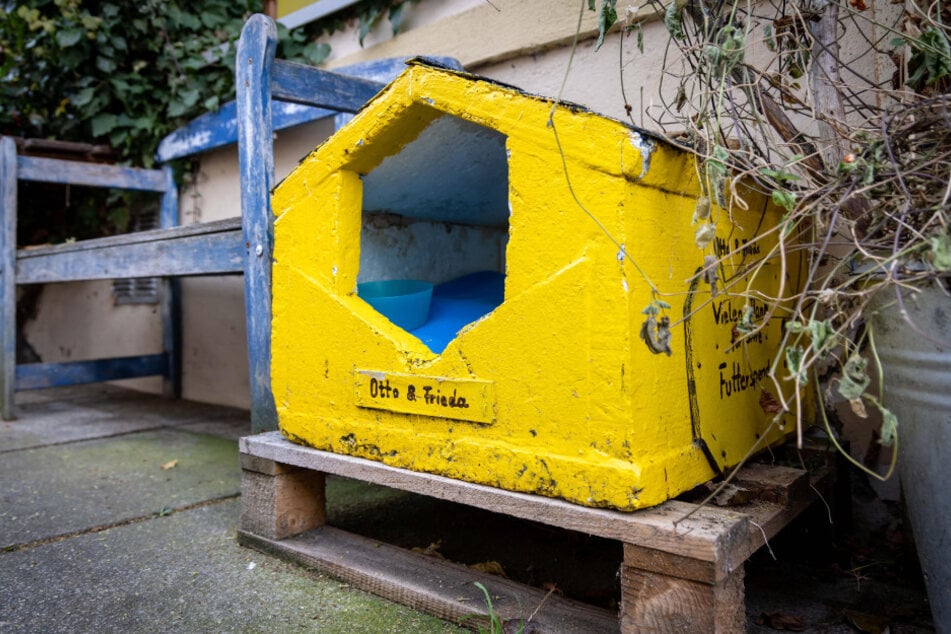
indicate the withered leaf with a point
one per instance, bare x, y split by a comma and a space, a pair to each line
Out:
781, 621
769, 403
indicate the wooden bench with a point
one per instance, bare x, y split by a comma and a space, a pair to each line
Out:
271, 94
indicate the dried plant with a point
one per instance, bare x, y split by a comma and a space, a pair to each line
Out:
841, 113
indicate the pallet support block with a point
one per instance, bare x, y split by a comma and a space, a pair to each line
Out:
682, 569
279, 500
654, 601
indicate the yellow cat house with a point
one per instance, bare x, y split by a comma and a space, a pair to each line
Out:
554, 336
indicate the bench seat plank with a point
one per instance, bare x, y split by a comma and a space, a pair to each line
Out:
202, 249
47, 170
35, 376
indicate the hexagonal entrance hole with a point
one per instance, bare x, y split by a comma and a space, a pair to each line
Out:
438, 212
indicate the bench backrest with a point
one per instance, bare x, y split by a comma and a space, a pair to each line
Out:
261, 82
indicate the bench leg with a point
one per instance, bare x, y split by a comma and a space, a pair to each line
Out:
172, 337
8, 293
668, 593
279, 500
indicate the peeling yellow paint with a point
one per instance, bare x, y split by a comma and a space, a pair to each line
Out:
571, 402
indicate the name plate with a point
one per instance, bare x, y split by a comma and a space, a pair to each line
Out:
458, 399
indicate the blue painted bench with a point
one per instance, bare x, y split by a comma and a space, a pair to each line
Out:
271, 94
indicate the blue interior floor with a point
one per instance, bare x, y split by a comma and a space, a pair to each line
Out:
457, 303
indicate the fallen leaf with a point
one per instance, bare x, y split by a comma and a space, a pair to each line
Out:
870, 623
769, 403
432, 550
858, 407
490, 567
171, 464
781, 621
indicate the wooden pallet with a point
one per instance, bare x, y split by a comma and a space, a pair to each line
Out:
682, 569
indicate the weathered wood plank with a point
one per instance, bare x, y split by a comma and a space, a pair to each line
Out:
265, 466
210, 130
49, 170
196, 254
704, 536
8, 251
168, 213
138, 237
767, 519
34, 376
255, 55
432, 585
215, 129
647, 559
306, 85
773, 483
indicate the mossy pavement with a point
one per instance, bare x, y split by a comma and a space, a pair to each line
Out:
119, 514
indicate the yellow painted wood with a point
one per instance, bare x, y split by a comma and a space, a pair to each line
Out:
572, 402
459, 399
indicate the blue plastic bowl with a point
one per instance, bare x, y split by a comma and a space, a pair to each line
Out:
404, 302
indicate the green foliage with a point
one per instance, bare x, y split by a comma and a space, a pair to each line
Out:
784, 198
940, 248
655, 307
716, 167
126, 74
496, 624
930, 62
855, 379
673, 20
889, 430
794, 359
123, 74
746, 325
607, 16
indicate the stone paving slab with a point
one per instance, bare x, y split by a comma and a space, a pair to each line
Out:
182, 573
105, 411
57, 490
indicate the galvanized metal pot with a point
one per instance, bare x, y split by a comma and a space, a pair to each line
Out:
917, 377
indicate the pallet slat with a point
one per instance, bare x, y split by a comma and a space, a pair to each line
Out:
435, 586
